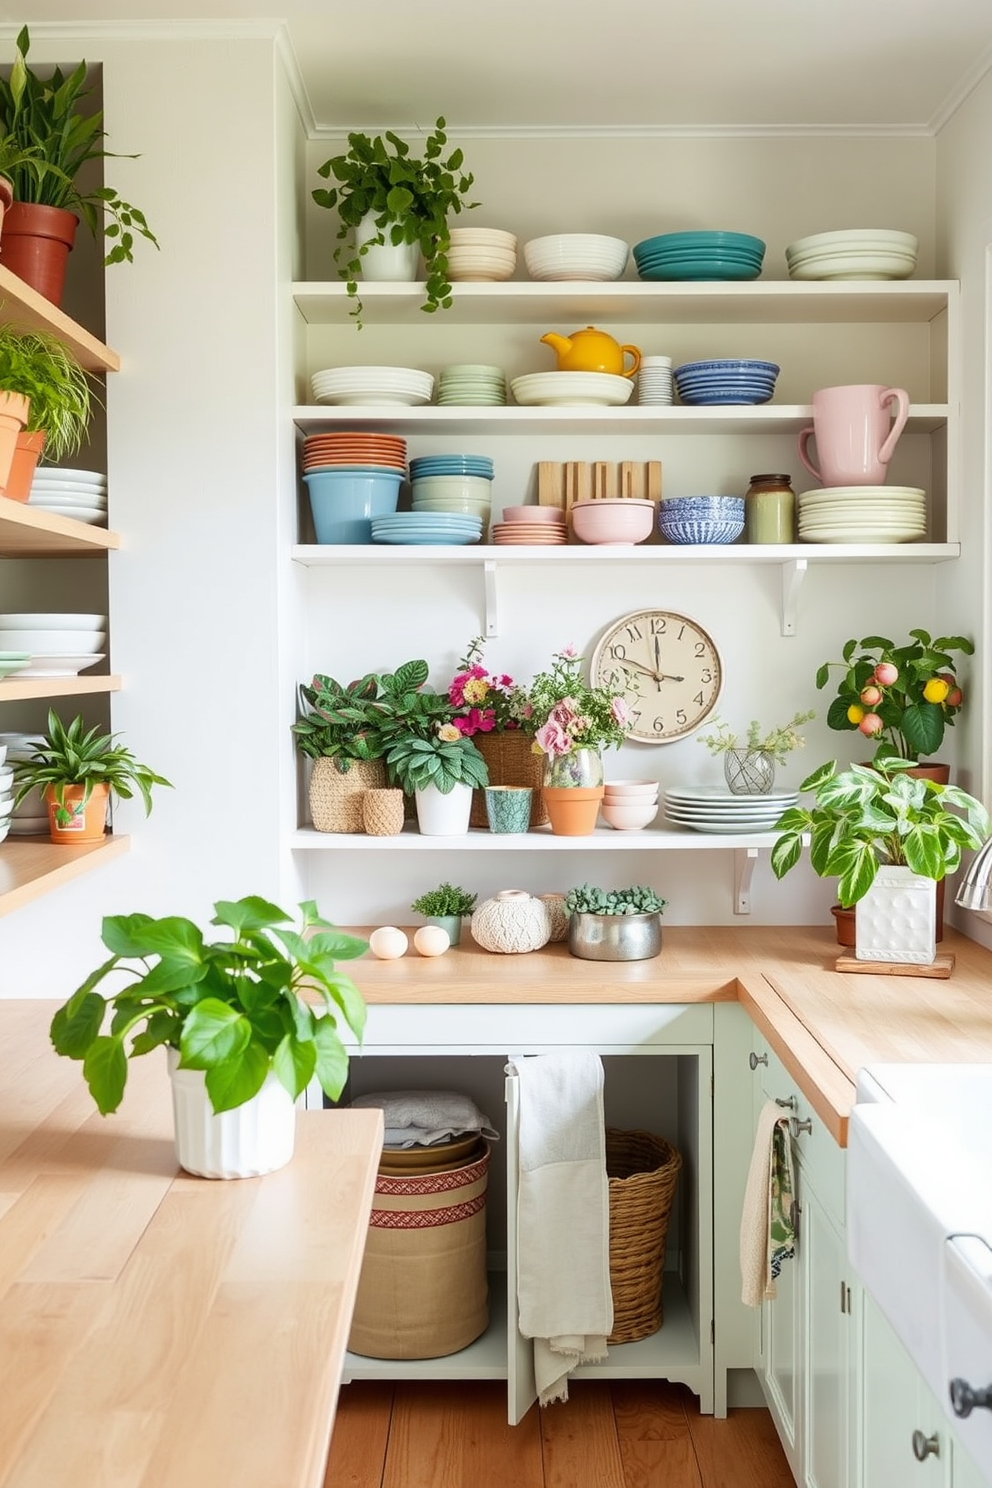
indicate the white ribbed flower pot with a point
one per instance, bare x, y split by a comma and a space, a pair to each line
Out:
896, 919
386, 261
253, 1139
440, 815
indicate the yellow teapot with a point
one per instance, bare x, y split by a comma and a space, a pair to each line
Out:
592, 351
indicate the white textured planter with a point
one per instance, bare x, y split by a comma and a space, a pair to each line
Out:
255, 1138
441, 815
384, 261
896, 919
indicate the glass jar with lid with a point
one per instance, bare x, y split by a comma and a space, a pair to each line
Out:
770, 510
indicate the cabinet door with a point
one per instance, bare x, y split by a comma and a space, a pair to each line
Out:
830, 1352
521, 1388
895, 1404
781, 1361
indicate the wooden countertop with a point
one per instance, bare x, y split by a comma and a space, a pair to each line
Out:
159, 1330
823, 1024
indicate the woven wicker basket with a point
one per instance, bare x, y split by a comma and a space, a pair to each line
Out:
382, 812
510, 760
643, 1171
336, 798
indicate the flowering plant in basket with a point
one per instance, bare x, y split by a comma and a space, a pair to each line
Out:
487, 702
568, 714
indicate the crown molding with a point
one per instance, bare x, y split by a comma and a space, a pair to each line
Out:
185, 30
286, 53
646, 131
959, 95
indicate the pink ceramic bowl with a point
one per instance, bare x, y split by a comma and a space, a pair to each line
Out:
628, 818
624, 520
627, 792
553, 515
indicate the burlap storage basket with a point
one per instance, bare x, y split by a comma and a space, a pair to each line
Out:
336, 798
423, 1291
382, 812
510, 760
643, 1171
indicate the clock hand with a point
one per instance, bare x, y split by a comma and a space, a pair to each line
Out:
636, 666
657, 662
667, 677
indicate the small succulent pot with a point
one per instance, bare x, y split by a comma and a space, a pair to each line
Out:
605, 937
451, 923
749, 772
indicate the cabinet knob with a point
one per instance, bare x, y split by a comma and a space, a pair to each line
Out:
925, 1446
788, 1104
796, 1126
755, 1059
965, 1398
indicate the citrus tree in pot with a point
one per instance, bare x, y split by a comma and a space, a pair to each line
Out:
880, 830
247, 1021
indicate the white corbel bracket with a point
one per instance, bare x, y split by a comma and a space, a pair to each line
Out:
744, 861
793, 574
491, 628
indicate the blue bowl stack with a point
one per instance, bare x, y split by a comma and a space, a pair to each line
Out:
699, 255
701, 519
726, 380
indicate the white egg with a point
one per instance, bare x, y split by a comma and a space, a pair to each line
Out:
431, 940
388, 943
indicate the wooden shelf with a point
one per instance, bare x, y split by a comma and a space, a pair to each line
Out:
28, 532
14, 691
542, 839
20, 305
31, 867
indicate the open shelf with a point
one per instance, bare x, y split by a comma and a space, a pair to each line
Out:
540, 839
33, 866
28, 532
14, 691
22, 306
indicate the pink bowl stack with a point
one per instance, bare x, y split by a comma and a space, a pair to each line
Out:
629, 805
540, 526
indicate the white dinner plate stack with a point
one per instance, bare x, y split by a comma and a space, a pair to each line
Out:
565, 389
358, 385
710, 809
81, 494
30, 818
853, 253
862, 514
58, 645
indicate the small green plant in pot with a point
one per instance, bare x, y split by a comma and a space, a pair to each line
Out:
43, 368
248, 1021
439, 767
74, 767
446, 906
614, 924
400, 199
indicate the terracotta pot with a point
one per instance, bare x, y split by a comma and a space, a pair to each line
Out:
13, 416
88, 824
35, 245
6, 199
27, 453
572, 810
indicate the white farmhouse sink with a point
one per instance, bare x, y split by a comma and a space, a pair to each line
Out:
919, 1225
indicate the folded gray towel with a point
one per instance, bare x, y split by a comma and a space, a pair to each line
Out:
426, 1117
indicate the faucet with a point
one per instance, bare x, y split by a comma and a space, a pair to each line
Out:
975, 890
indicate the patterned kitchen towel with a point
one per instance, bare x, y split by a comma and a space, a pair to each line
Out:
768, 1217
425, 1117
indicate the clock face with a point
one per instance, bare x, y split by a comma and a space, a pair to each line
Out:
669, 669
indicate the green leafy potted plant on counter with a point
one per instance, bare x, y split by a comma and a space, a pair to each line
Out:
248, 1021
447, 905
614, 924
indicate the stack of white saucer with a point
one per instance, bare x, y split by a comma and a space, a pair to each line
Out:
81, 494
654, 380
30, 818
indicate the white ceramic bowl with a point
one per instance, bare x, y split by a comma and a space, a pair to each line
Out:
6, 778
6, 805
630, 818
630, 790
52, 622
493, 237
576, 256
569, 389
55, 642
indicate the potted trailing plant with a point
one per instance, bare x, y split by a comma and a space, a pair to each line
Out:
51, 123
496, 713
614, 924
876, 827
42, 368
902, 698
238, 1020
385, 196
572, 722
446, 906
749, 762
439, 767
77, 769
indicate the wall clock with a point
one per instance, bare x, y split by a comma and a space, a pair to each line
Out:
669, 668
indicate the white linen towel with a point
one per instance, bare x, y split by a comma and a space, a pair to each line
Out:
563, 1216
425, 1117
768, 1215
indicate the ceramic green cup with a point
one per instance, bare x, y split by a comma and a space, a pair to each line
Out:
508, 807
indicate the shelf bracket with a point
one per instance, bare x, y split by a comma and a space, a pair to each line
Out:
744, 861
793, 573
492, 605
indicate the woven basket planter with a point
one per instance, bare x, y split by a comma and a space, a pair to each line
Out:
510, 761
336, 798
643, 1171
382, 812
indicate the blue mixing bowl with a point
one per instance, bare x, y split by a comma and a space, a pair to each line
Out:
343, 503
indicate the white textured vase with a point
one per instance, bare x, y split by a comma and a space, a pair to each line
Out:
386, 261
253, 1139
440, 815
896, 919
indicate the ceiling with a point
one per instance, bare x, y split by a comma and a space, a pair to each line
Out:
890, 65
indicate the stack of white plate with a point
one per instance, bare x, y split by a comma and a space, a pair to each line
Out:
81, 494
862, 514
357, 385
562, 389
30, 818
853, 253
6, 793
710, 809
472, 384
12, 661
481, 253
654, 380
58, 645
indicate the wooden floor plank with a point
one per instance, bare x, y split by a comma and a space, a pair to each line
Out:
357, 1458
579, 1439
653, 1432
457, 1436
741, 1452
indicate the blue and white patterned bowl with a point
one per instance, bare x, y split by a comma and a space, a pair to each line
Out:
701, 530
686, 508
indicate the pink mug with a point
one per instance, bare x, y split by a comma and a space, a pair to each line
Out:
854, 433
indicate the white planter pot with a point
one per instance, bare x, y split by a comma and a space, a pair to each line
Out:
896, 919
386, 262
255, 1138
443, 816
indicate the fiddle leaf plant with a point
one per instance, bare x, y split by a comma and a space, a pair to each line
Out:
235, 1008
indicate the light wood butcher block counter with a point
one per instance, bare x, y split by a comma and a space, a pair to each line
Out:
158, 1330
823, 1024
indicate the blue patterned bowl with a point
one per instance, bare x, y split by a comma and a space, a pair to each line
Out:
692, 508
699, 530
